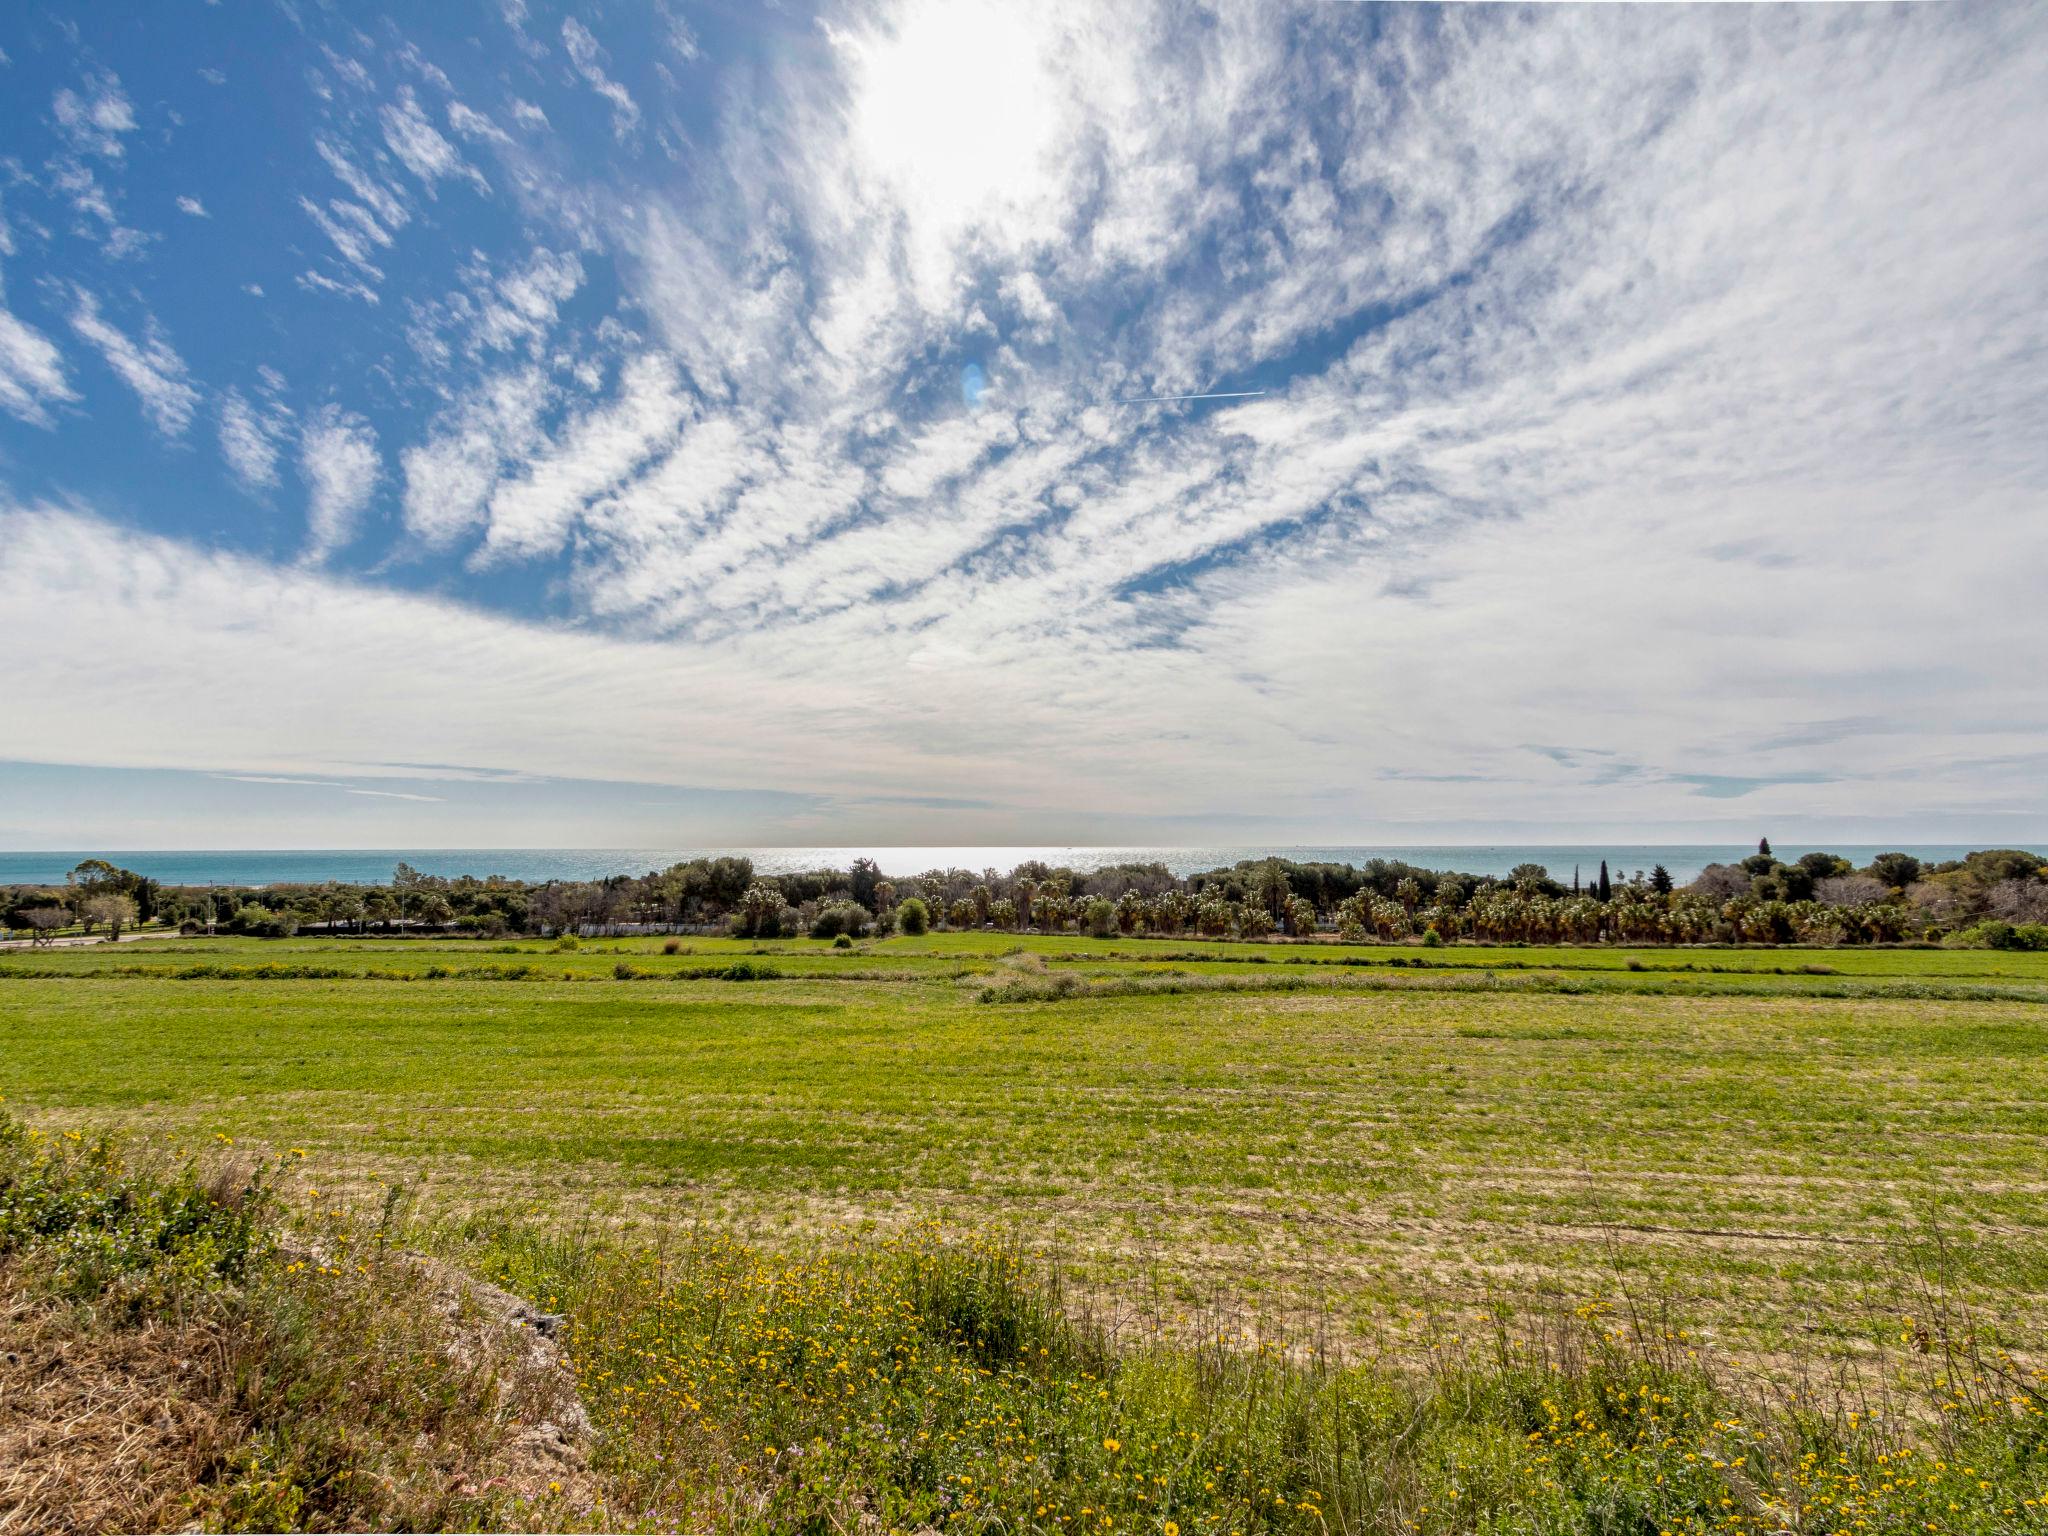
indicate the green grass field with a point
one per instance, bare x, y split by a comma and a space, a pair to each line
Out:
1776, 1143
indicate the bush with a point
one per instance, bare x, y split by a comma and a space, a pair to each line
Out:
913, 917
1100, 918
259, 922
1034, 989
2001, 935
842, 942
568, 941
1431, 939
672, 947
840, 920
739, 970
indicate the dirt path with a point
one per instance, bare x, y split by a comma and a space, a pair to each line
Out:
78, 940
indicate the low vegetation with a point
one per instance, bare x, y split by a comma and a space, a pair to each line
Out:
210, 1344
1314, 1130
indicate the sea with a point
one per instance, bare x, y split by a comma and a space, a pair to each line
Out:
362, 866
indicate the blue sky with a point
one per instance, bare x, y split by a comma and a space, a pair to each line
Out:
505, 422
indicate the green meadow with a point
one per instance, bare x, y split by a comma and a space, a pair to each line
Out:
1364, 1142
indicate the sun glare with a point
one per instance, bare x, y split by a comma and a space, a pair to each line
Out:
955, 109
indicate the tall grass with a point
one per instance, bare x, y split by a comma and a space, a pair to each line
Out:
930, 1381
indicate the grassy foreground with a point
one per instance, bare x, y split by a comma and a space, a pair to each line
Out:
919, 1382
1227, 1237
1396, 1145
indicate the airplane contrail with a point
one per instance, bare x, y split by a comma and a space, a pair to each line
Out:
1234, 394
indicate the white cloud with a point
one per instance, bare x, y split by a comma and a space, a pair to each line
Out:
493, 312
1656, 382
528, 299
420, 147
382, 200
251, 438
31, 368
681, 40
472, 124
592, 453
1274, 712
93, 122
449, 477
194, 207
416, 61
588, 58
349, 69
279, 630
338, 460
347, 288
1027, 295
81, 187
352, 232
149, 367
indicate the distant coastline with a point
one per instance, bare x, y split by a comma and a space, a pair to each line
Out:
242, 867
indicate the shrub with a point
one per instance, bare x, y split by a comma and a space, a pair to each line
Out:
568, 941
259, 922
913, 917
840, 919
2002, 935
1100, 918
842, 942
1431, 939
672, 947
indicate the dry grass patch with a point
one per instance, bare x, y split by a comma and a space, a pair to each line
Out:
173, 1359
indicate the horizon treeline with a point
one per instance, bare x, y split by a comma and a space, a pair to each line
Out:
1994, 897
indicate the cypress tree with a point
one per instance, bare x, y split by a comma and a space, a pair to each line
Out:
1660, 880
1606, 890
1763, 846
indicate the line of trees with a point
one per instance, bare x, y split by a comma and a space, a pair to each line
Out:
1997, 897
